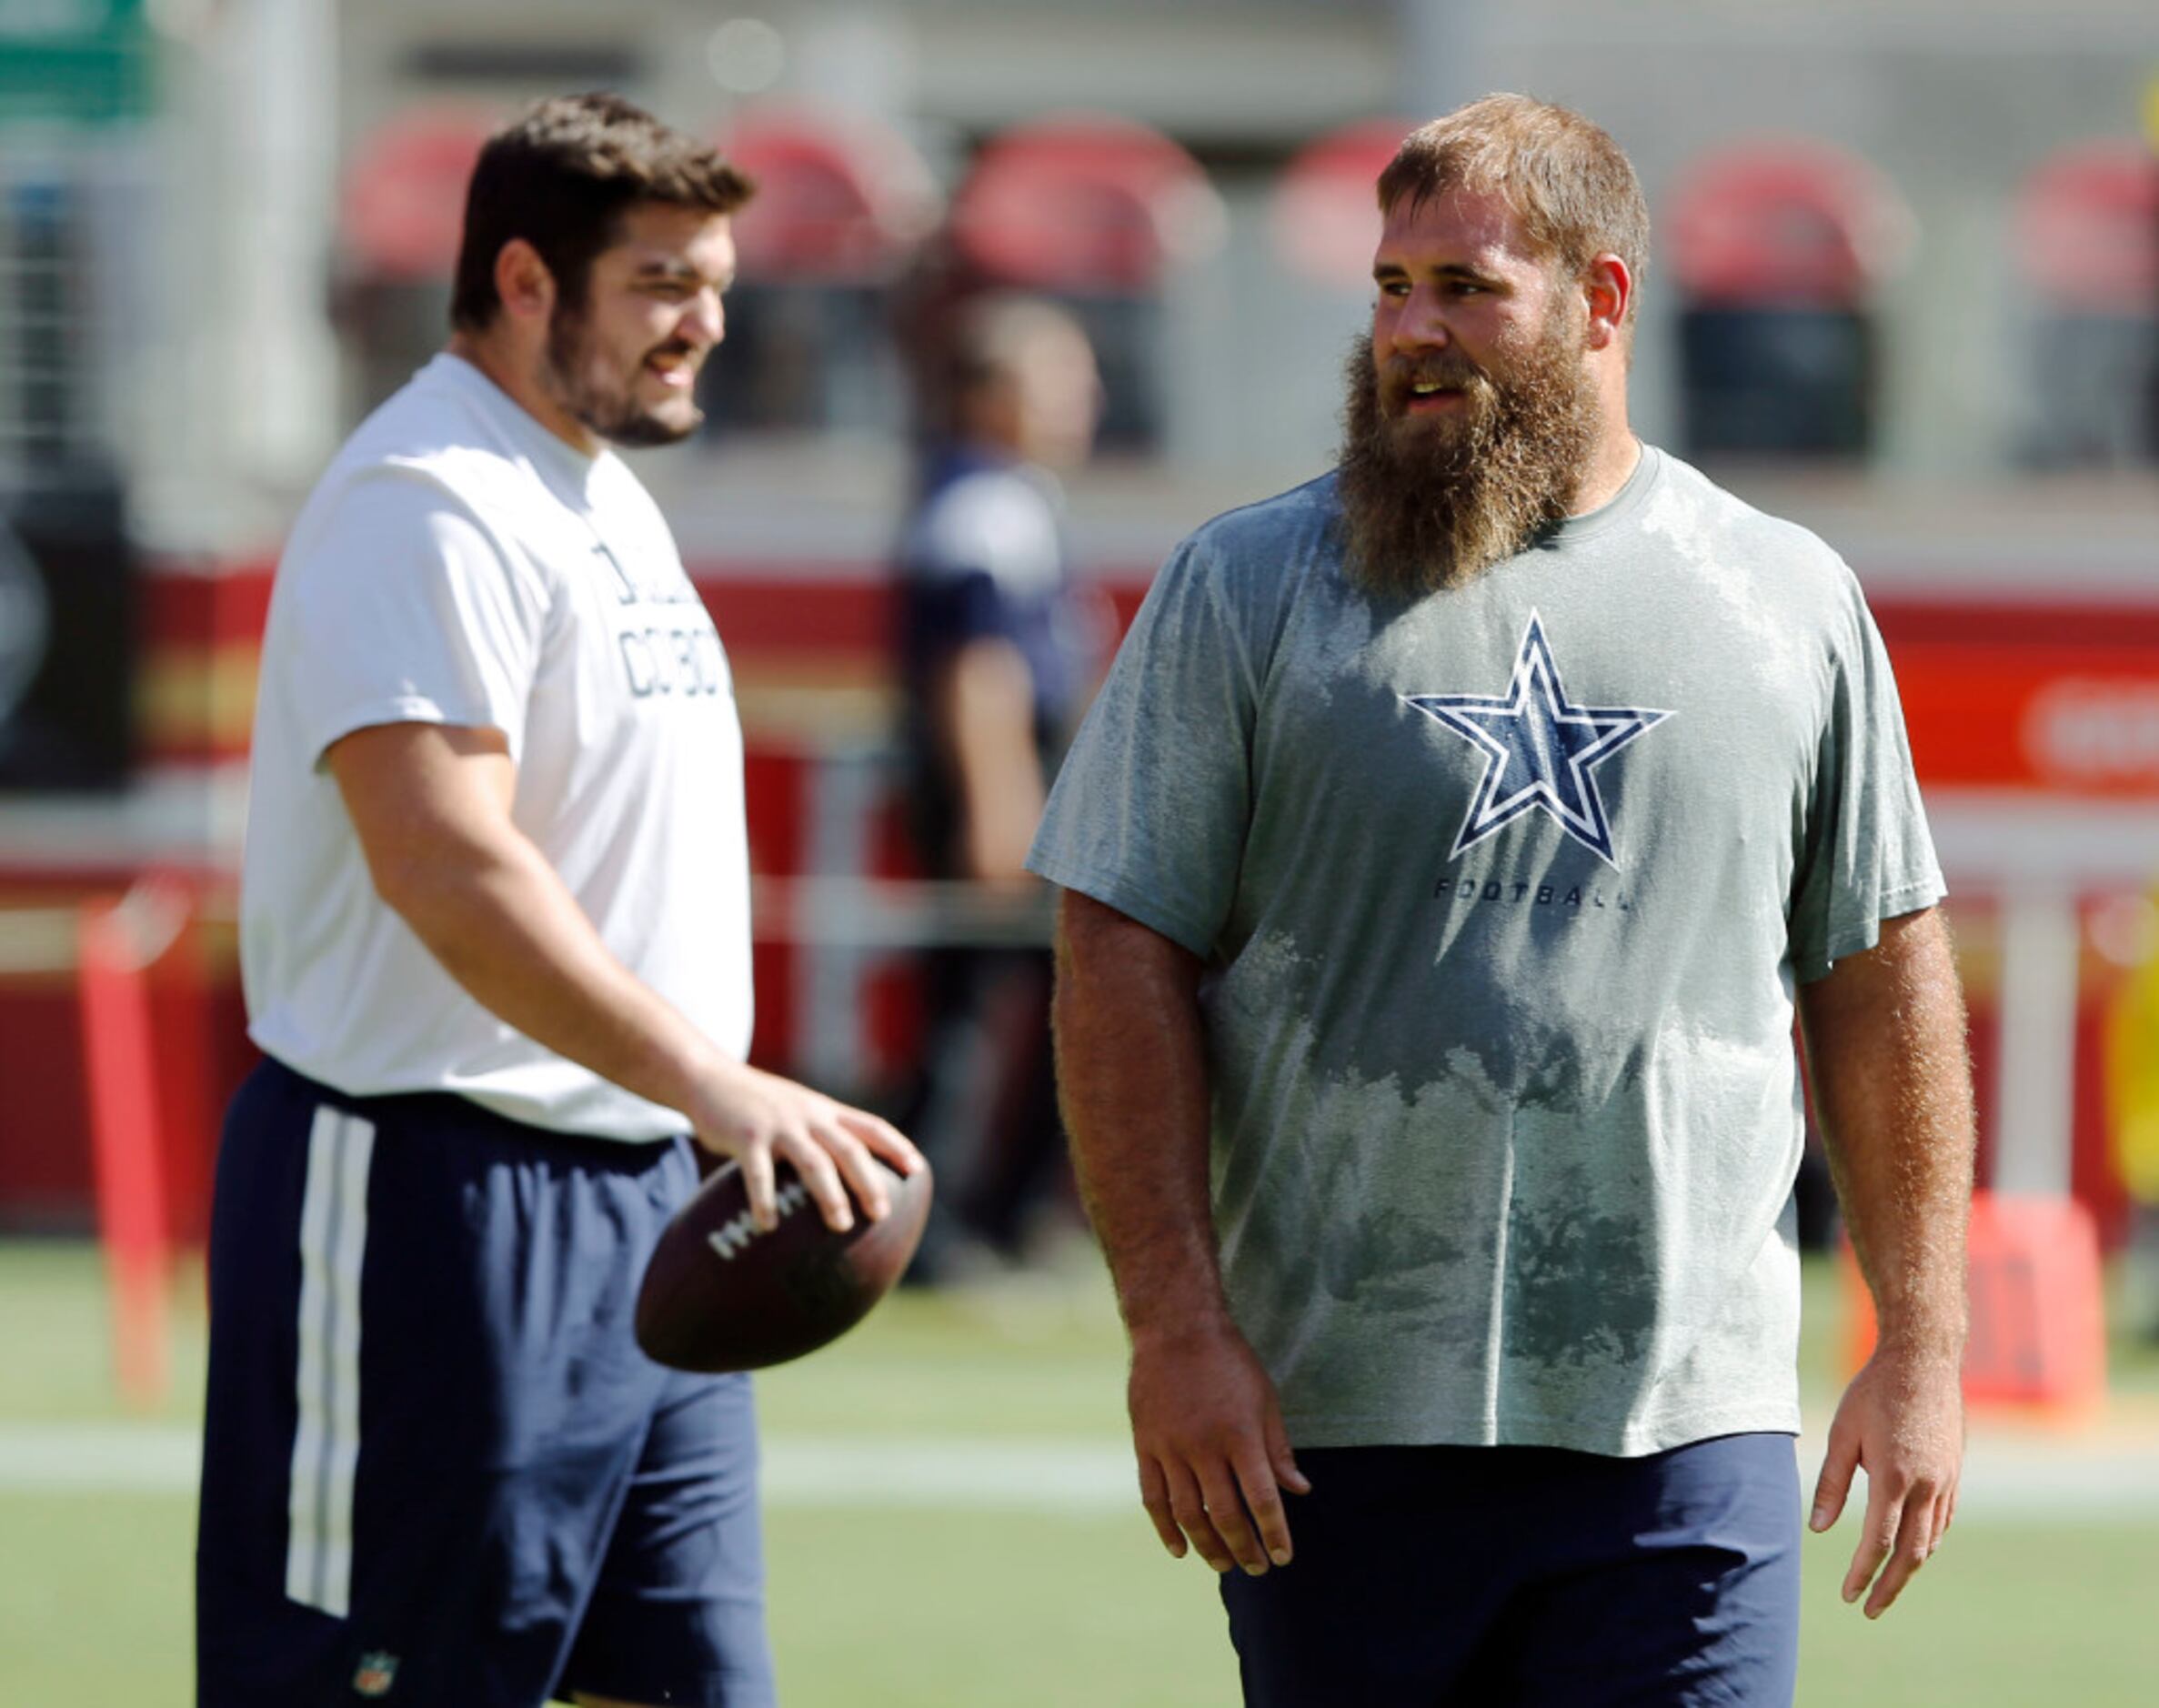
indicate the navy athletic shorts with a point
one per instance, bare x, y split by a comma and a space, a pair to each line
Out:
437, 1468
1433, 1577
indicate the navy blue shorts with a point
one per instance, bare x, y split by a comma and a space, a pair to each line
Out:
437, 1468
1427, 1577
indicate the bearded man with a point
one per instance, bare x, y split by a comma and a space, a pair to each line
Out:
1445, 862
495, 933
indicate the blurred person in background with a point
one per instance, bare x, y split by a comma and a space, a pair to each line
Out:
1444, 858
494, 937
996, 656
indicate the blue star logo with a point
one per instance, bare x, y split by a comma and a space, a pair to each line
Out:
1539, 749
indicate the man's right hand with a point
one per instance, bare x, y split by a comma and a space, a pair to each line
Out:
1131, 1063
1214, 1454
756, 1116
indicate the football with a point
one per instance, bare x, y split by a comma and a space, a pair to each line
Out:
719, 1295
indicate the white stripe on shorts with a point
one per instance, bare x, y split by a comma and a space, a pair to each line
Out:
327, 1446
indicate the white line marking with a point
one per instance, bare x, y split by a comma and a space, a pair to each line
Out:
2002, 1481
1002, 1476
99, 1458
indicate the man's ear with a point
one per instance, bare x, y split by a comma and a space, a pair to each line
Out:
524, 282
1609, 287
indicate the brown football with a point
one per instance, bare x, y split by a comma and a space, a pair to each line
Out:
719, 1295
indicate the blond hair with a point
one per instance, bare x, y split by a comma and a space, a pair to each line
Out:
1571, 185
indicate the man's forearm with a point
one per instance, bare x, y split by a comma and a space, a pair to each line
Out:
982, 719
503, 924
1892, 1090
1132, 1073
431, 806
1207, 1427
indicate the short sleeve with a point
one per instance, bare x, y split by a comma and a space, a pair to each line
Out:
953, 610
1866, 854
983, 549
404, 606
1151, 810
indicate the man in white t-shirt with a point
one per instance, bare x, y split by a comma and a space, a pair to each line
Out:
495, 941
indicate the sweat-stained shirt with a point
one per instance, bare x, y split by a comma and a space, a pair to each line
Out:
1503, 894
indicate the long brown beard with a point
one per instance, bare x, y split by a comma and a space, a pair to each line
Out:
1430, 503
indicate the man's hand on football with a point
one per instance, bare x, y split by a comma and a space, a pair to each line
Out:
1214, 1454
758, 1117
1902, 1421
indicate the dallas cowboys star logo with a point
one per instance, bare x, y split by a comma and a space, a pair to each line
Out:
1539, 749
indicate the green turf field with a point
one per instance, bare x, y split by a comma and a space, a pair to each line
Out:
1036, 1591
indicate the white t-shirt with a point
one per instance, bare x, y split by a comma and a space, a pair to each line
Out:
459, 564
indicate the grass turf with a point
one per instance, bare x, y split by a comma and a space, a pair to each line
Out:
899, 1608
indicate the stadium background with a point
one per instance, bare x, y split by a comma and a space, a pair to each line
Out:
1906, 291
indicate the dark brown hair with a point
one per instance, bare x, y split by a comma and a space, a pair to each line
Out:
1570, 184
562, 176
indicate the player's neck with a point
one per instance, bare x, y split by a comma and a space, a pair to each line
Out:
519, 380
1612, 464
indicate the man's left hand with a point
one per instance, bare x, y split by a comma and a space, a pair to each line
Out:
1902, 1421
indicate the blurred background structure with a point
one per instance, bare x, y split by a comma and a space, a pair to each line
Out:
1906, 291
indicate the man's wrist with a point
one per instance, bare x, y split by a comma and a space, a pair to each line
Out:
1160, 1329
1922, 1344
711, 1083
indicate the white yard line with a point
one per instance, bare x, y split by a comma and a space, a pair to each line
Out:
98, 1458
2014, 1478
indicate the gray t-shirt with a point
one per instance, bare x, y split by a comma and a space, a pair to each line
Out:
1503, 894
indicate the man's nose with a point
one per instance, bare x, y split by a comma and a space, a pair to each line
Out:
706, 320
1420, 326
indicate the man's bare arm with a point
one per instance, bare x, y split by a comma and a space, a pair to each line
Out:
1131, 1066
1893, 1087
431, 806
982, 720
